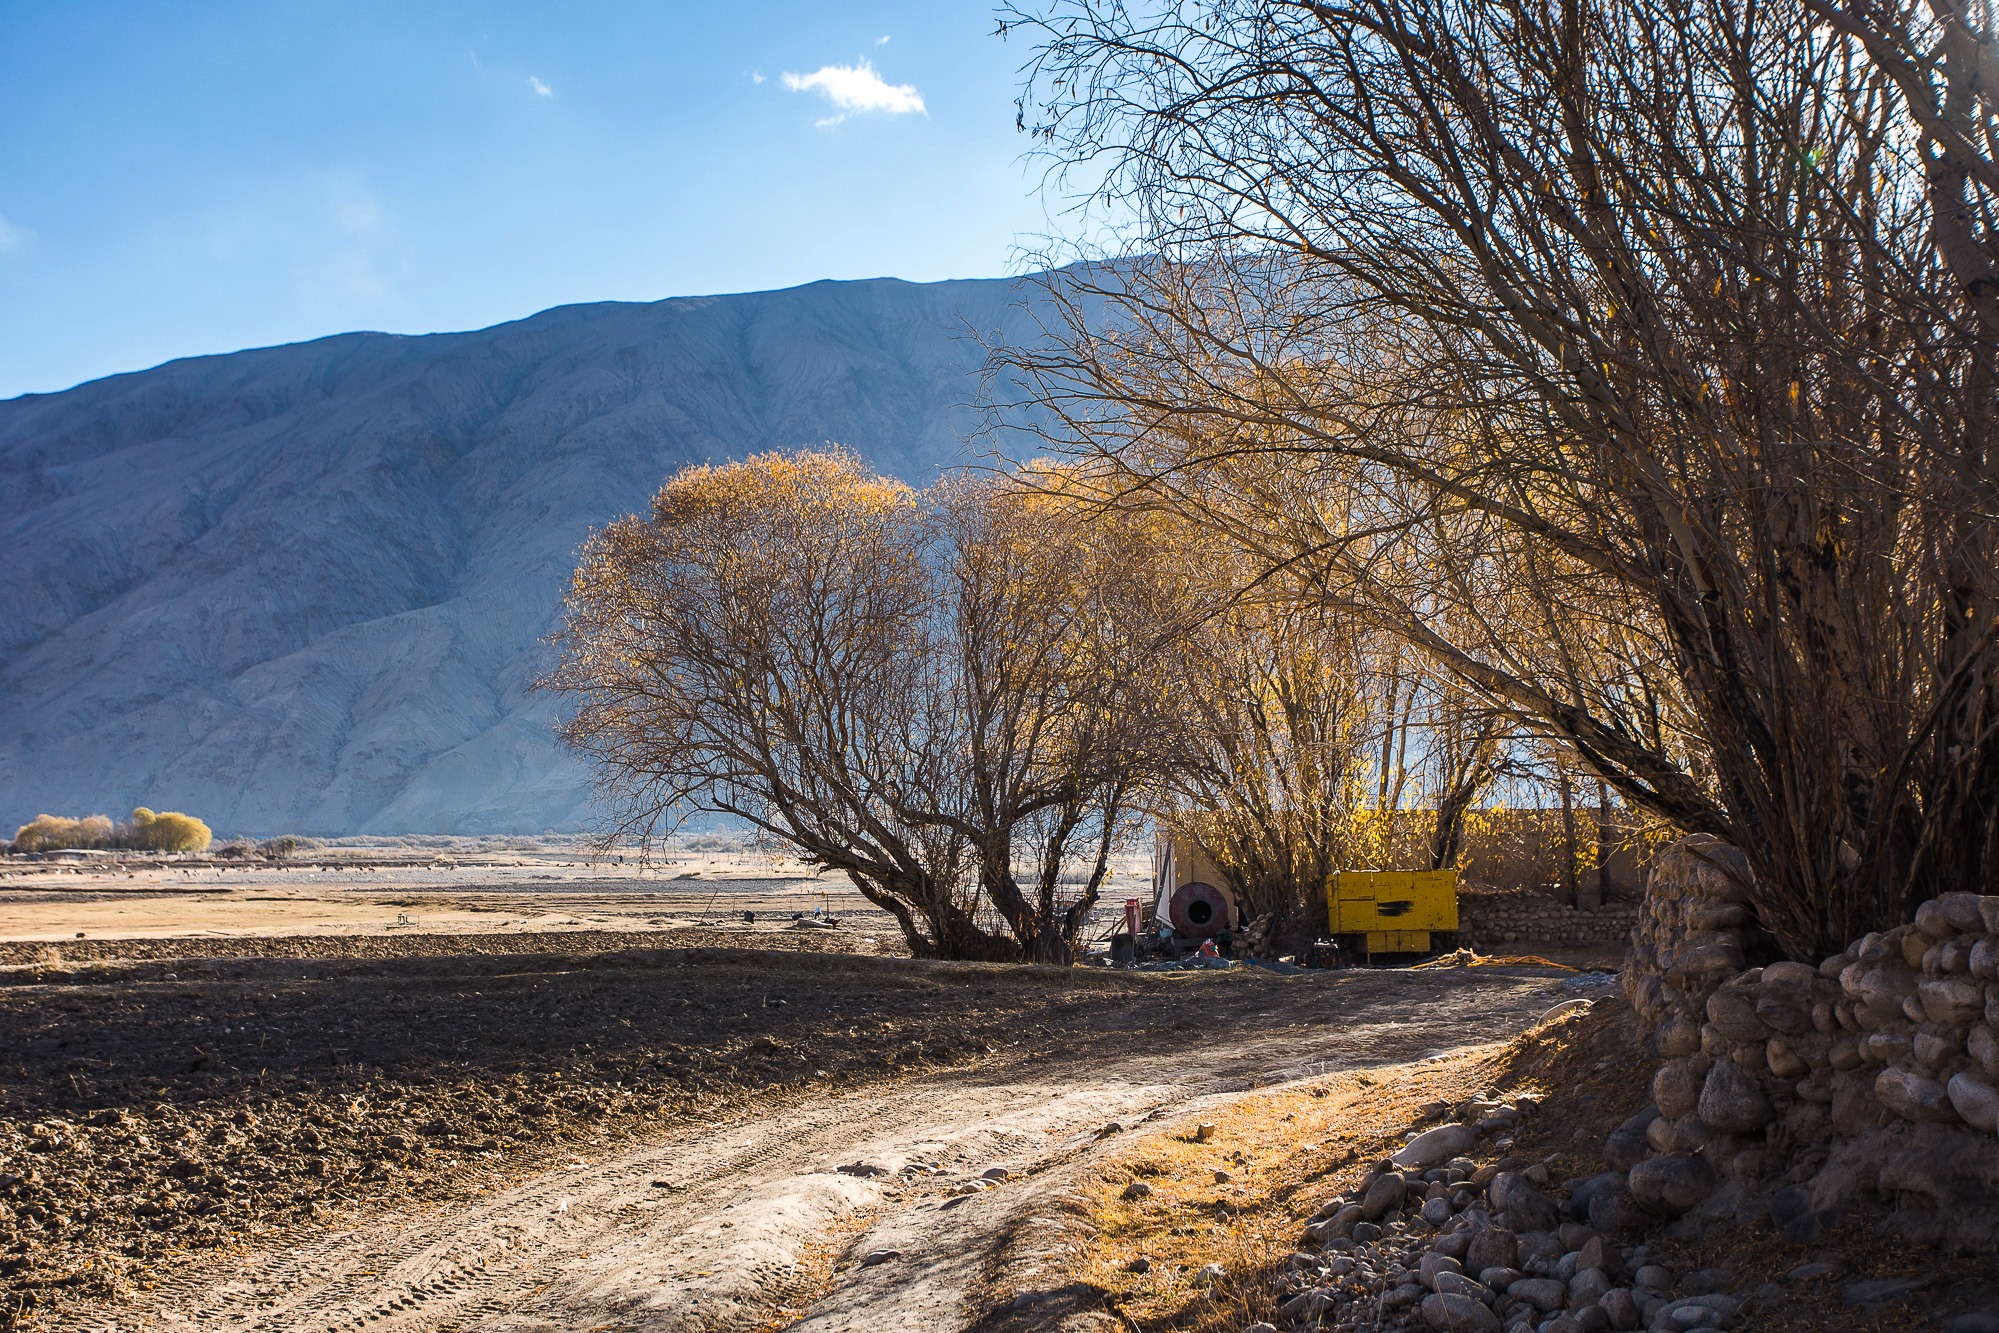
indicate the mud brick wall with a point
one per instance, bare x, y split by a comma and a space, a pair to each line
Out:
1494, 922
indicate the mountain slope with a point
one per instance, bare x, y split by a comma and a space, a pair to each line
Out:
304, 588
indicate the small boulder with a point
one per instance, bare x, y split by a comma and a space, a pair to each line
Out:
1601, 1255
1953, 1001
1913, 1096
1625, 1148
1457, 1284
1963, 911
1784, 1060
1137, 1190
1730, 1101
1435, 1146
1461, 1314
1672, 1185
1543, 1293
1583, 1191
1678, 1036
1494, 1247
1531, 1210
1733, 1015
1676, 1088
1383, 1197
1615, 1212
1454, 1245
1881, 1290
1976, 1100
1878, 988
1587, 1287
1985, 960
1855, 1108
1433, 1264
1622, 1308
1933, 921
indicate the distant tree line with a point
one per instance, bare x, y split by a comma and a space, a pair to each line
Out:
144, 831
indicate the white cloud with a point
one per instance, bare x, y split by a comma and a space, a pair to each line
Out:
881, 41
540, 89
856, 88
13, 238
756, 76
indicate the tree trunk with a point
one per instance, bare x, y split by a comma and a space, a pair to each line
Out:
1605, 837
1569, 886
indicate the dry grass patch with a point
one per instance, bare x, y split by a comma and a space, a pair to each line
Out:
1283, 1153
1286, 1152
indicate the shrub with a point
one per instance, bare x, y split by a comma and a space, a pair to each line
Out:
277, 849
167, 831
53, 833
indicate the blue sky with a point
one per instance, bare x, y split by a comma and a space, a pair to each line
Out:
199, 177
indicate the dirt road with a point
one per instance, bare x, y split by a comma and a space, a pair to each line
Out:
716, 1227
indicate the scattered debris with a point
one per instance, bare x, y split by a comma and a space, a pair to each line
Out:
1471, 958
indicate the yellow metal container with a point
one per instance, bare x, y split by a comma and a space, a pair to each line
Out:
1394, 909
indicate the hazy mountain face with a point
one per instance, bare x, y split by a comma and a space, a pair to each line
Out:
304, 588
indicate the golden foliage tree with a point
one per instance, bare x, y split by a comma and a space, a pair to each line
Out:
920, 690
52, 833
145, 831
165, 831
1676, 323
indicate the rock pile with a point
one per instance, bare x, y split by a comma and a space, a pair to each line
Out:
1875, 1072
1432, 1238
1693, 932
1784, 1092
1490, 921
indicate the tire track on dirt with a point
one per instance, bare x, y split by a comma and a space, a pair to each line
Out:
597, 1244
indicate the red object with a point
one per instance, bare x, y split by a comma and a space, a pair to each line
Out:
1198, 910
1131, 917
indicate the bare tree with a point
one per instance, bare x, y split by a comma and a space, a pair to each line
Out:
1276, 721
909, 688
1052, 613
1673, 316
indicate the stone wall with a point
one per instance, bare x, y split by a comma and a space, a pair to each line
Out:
1872, 1073
1496, 922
